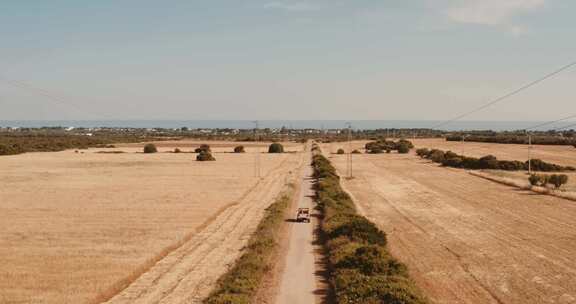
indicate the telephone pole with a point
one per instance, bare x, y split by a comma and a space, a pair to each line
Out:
529, 153
349, 158
257, 157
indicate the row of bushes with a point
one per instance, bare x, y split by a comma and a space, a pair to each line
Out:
11, 144
557, 180
516, 139
380, 146
451, 159
361, 269
241, 283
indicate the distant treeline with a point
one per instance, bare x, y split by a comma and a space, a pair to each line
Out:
451, 159
22, 142
516, 139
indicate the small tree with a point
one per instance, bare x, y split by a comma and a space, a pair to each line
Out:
558, 180
205, 156
534, 179
403, 148
239, 149
276, 148
150, 148
203, 148
340, 151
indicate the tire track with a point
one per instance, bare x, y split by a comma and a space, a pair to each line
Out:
187, 274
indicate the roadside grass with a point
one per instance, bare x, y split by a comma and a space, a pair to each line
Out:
361, 268
241, 283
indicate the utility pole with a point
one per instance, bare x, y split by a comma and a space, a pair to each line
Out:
257, 157
349, 158
529, 153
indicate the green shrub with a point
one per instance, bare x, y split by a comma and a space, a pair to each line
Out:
422, 152
351, 286
203, 148
361, 269
205, 156
403, 148
239, 149
534, 179
558, 180
276, 148
241, 282
150, 148
340, 151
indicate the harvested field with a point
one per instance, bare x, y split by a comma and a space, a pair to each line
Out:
464, 238
78, 227
561, 155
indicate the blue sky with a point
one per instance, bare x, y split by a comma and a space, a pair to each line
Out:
258, 59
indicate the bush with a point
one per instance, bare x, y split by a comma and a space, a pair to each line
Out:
203, 148
422, 152
276, 148
150, 148
205, 156
340, 151
361, 269
239, 149
403, 148
534, 180
356, 152
177, 150
558, 180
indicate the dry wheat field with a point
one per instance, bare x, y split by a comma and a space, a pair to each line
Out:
467, 239
80, 227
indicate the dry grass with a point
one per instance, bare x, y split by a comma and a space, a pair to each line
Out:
78, 228
519, 180
465, 239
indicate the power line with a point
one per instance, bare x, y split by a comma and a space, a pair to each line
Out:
501, 98
564, 127
54, 98
550, 122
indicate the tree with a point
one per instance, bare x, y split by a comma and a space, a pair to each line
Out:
177, 150
356, 152
239, 149
558, 180
340, 151
276, 148
534, 179
205, 156
150, 148
203, 147
403, 148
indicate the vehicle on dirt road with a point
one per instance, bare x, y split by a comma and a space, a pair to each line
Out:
303, 215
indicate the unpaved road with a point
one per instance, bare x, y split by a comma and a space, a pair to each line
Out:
189, 273
298, 281
466, 239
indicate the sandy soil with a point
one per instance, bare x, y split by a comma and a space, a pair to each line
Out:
76, 225
467, 239
561, 155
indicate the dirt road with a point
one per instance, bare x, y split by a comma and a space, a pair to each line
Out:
298, 282
188, 274
465, 239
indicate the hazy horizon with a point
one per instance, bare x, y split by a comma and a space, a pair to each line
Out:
281, 59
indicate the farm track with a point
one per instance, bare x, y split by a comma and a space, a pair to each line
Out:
465, 239
188, 274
